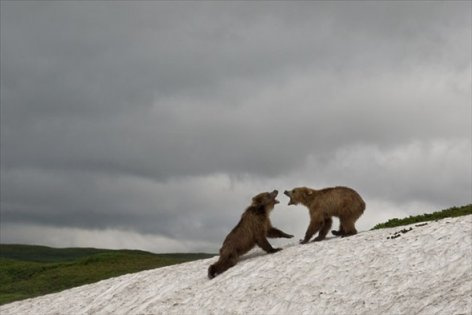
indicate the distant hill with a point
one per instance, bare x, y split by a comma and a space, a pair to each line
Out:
28, 270
52, 254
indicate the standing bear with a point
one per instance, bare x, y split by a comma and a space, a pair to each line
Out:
253, 229
341, 202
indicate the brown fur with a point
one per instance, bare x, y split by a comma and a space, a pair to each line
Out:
341, 202
253, 229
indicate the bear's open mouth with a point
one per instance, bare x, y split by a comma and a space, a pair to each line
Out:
287, 193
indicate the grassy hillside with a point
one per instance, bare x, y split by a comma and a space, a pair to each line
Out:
29, 271
447, 213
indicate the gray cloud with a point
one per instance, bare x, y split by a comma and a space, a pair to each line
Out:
162, 119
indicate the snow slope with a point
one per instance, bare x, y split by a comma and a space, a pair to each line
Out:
427, 270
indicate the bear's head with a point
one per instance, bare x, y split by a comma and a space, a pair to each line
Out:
265, 199
299, 195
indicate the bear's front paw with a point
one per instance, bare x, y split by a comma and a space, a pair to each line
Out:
303, 241
289, 236
277, 250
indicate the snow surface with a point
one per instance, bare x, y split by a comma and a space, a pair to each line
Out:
427, 270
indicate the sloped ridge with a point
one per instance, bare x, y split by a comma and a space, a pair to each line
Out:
426, 269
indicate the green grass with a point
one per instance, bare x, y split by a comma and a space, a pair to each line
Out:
447, 213
29, 271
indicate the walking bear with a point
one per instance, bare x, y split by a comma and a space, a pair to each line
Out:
253, 229
341, 202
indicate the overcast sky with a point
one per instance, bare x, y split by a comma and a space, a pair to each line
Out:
151, 125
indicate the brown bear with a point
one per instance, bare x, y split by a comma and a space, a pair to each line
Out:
253, 229
341, 202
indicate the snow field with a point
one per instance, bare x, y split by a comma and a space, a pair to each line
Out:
427, 270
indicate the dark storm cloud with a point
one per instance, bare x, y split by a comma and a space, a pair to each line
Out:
152, 116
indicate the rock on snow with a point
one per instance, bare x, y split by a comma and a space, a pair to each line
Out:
425, 270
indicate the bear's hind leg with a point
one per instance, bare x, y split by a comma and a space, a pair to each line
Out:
340, 232
348, 223
223, 264
349, 228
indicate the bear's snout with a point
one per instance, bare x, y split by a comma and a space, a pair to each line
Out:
274, 194
287, 193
